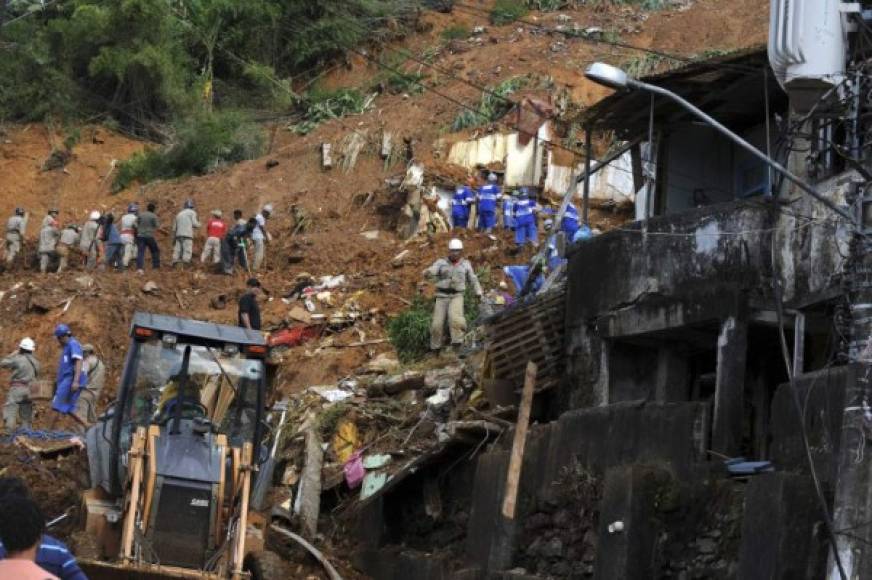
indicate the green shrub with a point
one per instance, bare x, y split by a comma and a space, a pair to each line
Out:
507, 11
200, 144
549, 5
641, 66
319, 105
399, 81
409, 331
456, 32
493, 105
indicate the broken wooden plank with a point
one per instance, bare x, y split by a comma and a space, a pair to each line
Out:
516, 461
326, 156
309, 497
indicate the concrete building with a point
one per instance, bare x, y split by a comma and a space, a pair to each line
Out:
731, 322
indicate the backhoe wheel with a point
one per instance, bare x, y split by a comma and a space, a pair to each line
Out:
265, 565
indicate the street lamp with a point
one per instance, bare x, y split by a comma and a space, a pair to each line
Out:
614, 78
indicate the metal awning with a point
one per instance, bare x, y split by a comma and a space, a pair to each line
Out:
730, 88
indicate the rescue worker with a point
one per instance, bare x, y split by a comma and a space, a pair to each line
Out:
25, 370
112, 241
66, 245
52, 555
233, 246
127, 226
51, 218
569, 225
15, 227
248, 312
488, 197
451, 276
183, 234
216, 229
89, 244
70, 377
508, 211
525, 219
260, 236
95, 379
48, 241
583, 233
146, 226
460, 203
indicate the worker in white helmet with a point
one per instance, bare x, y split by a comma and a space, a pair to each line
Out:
25, 370
260, 236
89, 243
451, 275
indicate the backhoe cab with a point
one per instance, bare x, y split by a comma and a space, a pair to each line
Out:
176, 453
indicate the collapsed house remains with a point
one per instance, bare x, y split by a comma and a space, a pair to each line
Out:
714, 366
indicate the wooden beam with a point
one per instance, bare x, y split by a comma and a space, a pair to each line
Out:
513, 477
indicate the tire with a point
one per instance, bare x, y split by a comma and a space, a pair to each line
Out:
265, 565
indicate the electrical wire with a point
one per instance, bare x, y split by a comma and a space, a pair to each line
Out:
800, 412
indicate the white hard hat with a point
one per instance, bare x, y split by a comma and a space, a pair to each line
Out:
95, 215
491, 177
268, 208
455, 244
27, 344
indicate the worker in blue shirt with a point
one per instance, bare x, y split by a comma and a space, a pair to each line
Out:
488, 196
525, 219
569, 225
508, 211
583, 233
460, 203
51, 555
70, 377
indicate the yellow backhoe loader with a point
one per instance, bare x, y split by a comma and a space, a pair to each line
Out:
172, 460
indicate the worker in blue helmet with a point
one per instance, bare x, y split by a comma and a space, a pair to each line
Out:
70, 378
525, 219
488, 197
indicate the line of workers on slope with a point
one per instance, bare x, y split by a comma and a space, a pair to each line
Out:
517, 211
104, 241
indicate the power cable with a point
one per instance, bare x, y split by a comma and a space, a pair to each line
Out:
800, 412
615, 43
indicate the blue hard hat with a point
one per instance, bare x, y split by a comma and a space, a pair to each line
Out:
132, 208
189, 204
523, 192
62, 330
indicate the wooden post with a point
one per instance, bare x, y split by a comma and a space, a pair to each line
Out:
310, 486
136, 456
386, 144
513, 477
246, 468
326, 156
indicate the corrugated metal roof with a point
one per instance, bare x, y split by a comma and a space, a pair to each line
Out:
729, 88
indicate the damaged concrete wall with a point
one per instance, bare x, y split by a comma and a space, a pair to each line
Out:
696, 267
812, 245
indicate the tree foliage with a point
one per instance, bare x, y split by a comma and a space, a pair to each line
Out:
146, 63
